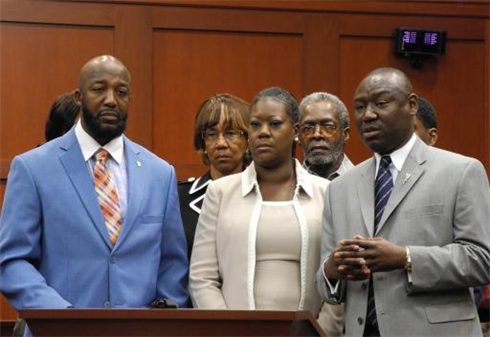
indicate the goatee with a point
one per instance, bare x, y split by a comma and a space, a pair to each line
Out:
101, 132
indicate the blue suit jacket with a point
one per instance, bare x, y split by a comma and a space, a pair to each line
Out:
55, 248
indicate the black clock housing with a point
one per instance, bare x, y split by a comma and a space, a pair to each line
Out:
412, 41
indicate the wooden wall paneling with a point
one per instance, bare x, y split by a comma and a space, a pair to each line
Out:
7, 312
230, 20
453, 83
200, 64
321, 54
473, 8
32, 77
384, 25
59, 12
191, 65
133, 46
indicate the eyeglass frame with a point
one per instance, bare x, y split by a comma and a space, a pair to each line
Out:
238, 133
325, 129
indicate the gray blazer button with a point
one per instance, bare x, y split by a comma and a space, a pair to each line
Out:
360, 320
364, 285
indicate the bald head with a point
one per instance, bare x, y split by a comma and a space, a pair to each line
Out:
385, 106
104, 95
394, 77
103, 63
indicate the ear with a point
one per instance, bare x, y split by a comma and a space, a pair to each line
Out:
432, 139
413, 102
346, 133
78, 96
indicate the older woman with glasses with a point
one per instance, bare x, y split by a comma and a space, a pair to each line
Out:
258, 237
220, 139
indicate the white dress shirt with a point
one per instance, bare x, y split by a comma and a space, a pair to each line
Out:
115, 163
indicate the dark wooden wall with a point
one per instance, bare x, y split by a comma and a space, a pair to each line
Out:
181, 52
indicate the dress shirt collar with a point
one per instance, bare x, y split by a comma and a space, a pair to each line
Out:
398, 156
345, 165
249, 179
90, 146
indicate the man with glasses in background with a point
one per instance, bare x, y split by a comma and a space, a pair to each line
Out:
323, 132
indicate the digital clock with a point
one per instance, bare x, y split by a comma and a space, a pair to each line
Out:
410, 41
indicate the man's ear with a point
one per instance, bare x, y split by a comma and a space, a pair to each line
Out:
432, 136
413, 102
346, 133
78, 96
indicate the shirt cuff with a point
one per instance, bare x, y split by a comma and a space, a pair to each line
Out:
333, 288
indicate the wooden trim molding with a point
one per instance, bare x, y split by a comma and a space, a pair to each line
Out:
231, 20
469, 8
48, 12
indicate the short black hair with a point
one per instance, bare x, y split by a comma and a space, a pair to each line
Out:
62, 116
427, 114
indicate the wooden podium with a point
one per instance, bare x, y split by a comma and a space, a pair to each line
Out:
166, 322
6, 328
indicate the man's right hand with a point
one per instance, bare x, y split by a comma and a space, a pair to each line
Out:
344, 262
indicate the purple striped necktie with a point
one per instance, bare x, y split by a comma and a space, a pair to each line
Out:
382, 190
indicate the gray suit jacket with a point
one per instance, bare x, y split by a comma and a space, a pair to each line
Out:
440, 207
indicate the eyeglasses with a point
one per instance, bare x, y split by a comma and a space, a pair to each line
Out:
230, 135
309, 130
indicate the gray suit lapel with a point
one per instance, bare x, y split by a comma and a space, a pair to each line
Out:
137, 173
411, 171
365, 192
76, 168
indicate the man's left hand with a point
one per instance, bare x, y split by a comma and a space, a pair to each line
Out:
380, 254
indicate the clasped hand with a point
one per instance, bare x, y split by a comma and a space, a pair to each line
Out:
358, 258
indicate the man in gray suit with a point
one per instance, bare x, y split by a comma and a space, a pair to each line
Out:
408, 269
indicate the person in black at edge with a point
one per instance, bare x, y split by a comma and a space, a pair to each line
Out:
220, 139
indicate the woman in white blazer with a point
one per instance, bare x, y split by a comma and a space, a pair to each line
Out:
257, 243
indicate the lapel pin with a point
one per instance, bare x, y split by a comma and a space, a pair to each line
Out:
138, 163
406, 178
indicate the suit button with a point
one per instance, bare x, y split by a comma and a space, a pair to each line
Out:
113, 260
360, 320
364, 285
107, 304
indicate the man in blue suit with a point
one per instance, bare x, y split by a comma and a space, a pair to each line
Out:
56, 251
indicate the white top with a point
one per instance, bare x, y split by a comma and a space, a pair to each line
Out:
277, 283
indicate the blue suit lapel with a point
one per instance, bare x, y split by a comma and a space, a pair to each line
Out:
137, 173
76, 169
365, 192
411, 171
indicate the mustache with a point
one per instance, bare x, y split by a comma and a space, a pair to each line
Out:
113, 111
323, 144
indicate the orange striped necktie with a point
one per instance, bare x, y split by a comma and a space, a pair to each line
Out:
107, 195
